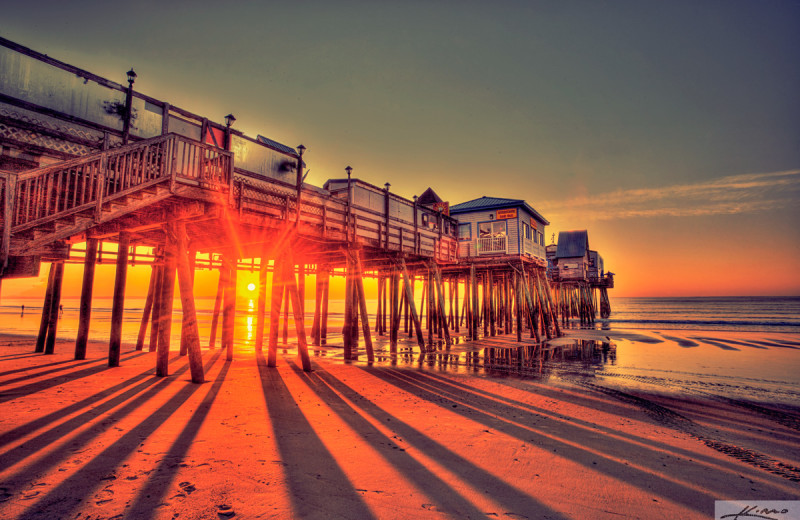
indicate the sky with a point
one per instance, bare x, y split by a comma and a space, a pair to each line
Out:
669, 130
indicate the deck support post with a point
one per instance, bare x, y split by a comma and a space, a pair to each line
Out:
275, 309
543, 307
347, 327
517, 306
118, 305
429, 291
185, 285
362, 305
285, 336
474, 306
89, 262
318, 289
223, 281
323, 326
466, 317
412, 307
55, 307
148, 308
46, 308
156, 312
165, 318
229, 306
442, 317
191, 259
262, 299
394, 323
293, 293
529, 306
379, 309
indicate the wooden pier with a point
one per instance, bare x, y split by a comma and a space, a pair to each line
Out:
199, 194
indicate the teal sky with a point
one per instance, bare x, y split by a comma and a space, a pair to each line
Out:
671, 130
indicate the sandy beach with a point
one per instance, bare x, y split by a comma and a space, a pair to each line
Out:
351, 441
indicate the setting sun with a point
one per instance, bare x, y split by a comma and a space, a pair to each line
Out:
251, 287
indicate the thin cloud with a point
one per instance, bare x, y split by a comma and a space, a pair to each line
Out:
734, 194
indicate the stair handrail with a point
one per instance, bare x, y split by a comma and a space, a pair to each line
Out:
83, 183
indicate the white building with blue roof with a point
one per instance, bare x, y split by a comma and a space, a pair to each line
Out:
490, 228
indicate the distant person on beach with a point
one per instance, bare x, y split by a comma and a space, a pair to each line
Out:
60, 309
22, 312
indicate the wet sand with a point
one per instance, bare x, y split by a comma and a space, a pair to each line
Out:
415, 440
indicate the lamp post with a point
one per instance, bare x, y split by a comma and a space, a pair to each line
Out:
126, 122
349, 171
300, 150
386, 222
229, 120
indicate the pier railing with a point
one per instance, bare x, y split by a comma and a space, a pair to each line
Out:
331, 218
88, 183
492, 245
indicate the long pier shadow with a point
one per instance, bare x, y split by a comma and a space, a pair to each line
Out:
38, 386
305, 457
73, 490
448, 500
41, 422
592, 454
41, 441
70, 362
643, 442
152, 493
42, 372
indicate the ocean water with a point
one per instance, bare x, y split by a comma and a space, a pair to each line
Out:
743, 347
744, 314
740, 313
16, 320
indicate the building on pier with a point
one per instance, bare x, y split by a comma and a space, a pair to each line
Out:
491, 229
578, 276
85, 160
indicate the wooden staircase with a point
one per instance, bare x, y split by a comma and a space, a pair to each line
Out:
46, 205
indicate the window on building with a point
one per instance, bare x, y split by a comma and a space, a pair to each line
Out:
494, 229
465, 231
526, 230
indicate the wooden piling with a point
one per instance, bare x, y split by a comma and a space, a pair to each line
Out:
275, 308
442, 318
221, 284
395, 311
362, 305
517, 306
323, 326
85, 314
118, 305
291, 288
55, 304
286, 314
158, 298
474, 306
412, 307
148, 308
318, 289
185, 285
347, 326
229, 308
165, 319
262, 299
47, 308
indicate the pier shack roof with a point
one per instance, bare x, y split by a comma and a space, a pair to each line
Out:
572, 244
486, 203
